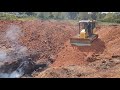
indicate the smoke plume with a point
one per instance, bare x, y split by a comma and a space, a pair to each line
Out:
13, 34
17, 51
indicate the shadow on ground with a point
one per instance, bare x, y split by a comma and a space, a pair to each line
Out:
97, 46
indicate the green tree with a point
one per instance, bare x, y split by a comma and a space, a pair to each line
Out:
100, 15
30, 13
83, 15
51, 16
94, 15
73, 15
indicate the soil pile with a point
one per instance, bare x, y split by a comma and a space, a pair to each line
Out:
102, 57
49, 41
43, 39
106, 45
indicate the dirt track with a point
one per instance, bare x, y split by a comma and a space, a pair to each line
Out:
49, 41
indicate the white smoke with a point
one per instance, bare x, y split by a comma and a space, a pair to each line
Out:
16, 51
14, 74
3, 55
21, 50
13, 34
4, 75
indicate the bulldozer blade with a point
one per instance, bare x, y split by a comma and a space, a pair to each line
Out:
77, 41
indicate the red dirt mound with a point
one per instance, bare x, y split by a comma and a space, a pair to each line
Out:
44, 38
111, 36
51, 38
107, 44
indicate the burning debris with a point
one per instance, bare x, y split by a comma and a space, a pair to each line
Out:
15, 60
15, 64
16, 50
19, 68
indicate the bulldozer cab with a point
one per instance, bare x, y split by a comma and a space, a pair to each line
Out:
86, 35
88, 25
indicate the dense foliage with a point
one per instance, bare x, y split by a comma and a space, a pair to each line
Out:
104, 17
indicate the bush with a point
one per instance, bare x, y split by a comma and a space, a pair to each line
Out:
5, 16
22, 16
111, 20
117, 20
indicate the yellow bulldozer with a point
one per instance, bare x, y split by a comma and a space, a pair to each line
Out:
86, 34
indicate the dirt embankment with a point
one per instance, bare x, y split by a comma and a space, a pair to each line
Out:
42, 38
38, 40
98, 56
49, 40
106, 45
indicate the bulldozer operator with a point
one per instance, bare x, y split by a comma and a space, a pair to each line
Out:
89, 27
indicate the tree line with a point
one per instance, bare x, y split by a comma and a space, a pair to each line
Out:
104, 17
